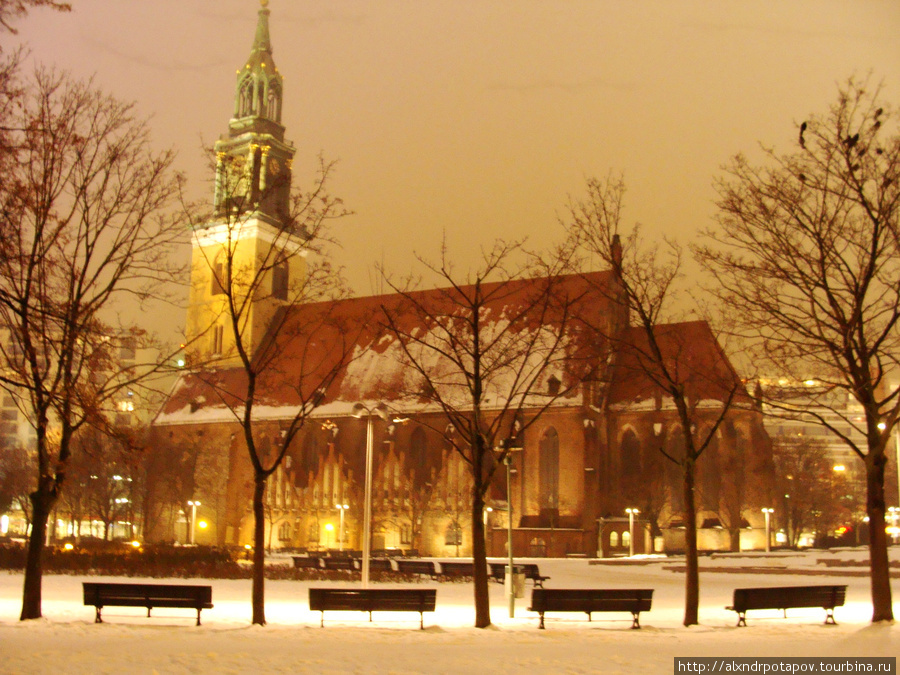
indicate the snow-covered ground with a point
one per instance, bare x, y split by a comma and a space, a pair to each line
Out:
68, 641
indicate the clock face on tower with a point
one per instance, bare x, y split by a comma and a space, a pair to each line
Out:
274, 166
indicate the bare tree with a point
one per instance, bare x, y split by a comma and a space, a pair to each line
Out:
82, 216
807, 254
481, 371
16, 479
658, 352
270, 317
16, 9
802, 470
107, 483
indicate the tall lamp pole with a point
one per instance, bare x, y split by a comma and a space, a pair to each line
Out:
360, 410
631, 514
508, 446
193, 503
767, 513
342, 507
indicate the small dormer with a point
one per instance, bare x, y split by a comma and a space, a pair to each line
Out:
553, 384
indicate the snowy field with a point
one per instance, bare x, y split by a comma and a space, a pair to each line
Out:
68, 641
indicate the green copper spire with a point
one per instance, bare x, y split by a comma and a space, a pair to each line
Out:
253, 162
259, 87
262, 41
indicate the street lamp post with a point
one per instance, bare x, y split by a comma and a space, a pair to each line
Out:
360, 410
342, 508
193, 503
631, 514
767, 513
507, 445
511, 585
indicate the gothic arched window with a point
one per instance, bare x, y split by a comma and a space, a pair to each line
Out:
548, 464
273, 104
630, 453
245, 98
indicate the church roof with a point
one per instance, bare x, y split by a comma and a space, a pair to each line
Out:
691, 354
314, 339
345, 350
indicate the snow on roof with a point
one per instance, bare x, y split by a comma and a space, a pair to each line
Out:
346, 349
690, 352
347, 346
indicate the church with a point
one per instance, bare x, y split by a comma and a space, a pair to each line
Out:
594, 427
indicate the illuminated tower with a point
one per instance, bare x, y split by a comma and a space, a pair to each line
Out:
251, 216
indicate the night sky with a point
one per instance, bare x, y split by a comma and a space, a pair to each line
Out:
480, 119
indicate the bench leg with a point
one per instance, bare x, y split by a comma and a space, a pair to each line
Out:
829, 617
97, 618
421, 620
541, 624
322, 619
198, 617
742, 619
636, 620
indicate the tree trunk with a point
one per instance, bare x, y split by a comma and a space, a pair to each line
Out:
734, 536
41, 505
479, 559
878, 555
692, 568
258, 597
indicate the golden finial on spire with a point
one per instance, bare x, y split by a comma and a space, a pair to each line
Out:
264, 3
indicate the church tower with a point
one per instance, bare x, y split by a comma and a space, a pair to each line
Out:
251, 248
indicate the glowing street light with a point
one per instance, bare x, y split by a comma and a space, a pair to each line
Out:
360, 410
510, 445
342, 508
767, 513
193, 503
631, 514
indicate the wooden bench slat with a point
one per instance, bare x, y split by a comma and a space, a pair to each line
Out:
183, 596
788, 597
531, 571
424, 567
370, 600
590, 600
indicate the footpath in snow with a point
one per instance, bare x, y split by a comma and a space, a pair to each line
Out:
67, 640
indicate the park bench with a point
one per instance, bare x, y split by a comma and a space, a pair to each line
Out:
100, 595
788, 597
345, 564
457, 569
422, 567
377, 565
590, 600
531, 571
307, 562
373, 600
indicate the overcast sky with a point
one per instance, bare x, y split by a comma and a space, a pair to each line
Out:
479, 119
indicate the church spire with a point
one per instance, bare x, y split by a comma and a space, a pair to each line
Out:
259, 87
253, 168
262, 41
